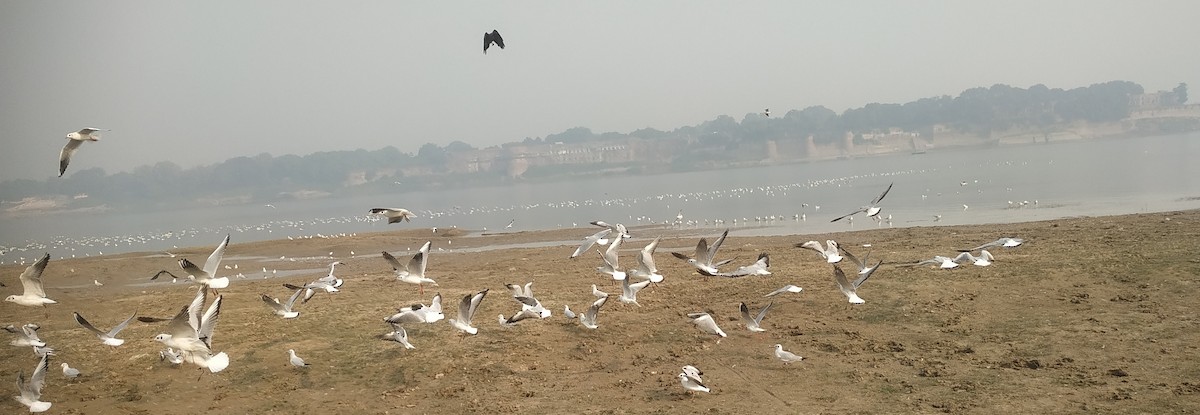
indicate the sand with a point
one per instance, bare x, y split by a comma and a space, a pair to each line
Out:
1090, 315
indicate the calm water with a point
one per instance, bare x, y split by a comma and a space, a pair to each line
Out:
1092, 178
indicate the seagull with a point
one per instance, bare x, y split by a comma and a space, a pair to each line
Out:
190, 332
466, 311
97, 283
598, 237
942, 262
609, 258
705, 323
414, 272
295, 360
864, 268
394, 214
568, 313
399, 335
43, 351
284, 309
872, 210
328, 283
693, 372
786, 356
492, 38
984, 259
599, 294
629, 291
850, 289
705, 255
70, 372
757, 268
829, 252
1004, 242
588, 319
106, 338
752, 322
170, 355
31, 393
26, 336
618, 228
510, 224
692, 384
786, 289
34, 295
208, 275
524, 295
74, 140
419, 313
645, 264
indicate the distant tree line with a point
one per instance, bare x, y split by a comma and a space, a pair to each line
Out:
265, 177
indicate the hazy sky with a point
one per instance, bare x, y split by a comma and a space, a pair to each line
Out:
197, 82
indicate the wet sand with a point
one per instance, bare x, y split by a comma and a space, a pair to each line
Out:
1090, 315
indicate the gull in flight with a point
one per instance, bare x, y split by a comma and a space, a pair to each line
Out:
466, 311
850, 289
786, 356
399, 335
190, 332
295, 360
706, 255
31, 280
984, 259
108, 338
864, 267
328, 283
208, 275
74, 140
943, 262
1004, 242
645, 268
394, 215
618, 228
170, 355
609, 258
588, 319
284, 309
872, 210
757, 268
26, 336
691, 384
629, 291
785, 289
705, 323
524, 295
598, 237
31, 392
829, 252
492, 38
414, 272
70, 372
160, 273
752, 322
419, 313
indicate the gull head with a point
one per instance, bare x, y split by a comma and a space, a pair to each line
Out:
163, 338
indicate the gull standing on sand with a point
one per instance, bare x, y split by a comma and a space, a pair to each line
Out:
705, 255
786, 289
705, 323
786, 356
599, 294
414, 272
850, 289
394, 215
691, 384
208, 275
74, 140
753, 322
295, 360
108, 338
872, 210
31, 392
31, 280
70, 372
283, 309
190, 332
829, 252
466, 311
588, 242
588, 319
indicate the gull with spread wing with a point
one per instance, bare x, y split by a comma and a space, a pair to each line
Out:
705, 257
31, 281
414, 272
108, 338
208, 275
872, 210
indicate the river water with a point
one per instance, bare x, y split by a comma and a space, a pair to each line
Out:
941, 187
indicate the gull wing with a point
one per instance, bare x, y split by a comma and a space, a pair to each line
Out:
589, 241
119, 327
209, 322
646, 257
31, 279
83, 322
194, 309
214, 260
416, 265
881, 195
292, 301
843, 285
712, 249
395, 263
193, 270
273, 303
860, 210
64, 156
160, 273
496, 38
862, 278
702, 251
853, 258
436, 306
470, 302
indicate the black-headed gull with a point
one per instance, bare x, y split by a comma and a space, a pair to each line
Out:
466, 311
31, 280
645, 268
759, 267
394, 215
31, 391
829, 252
208, 275
753, 321
705, 323
705, 256
588, 242
785, 289
629, 291
74, 140
864, 267
399, 335
70, 372
108, 338
191, 332
786, 356
1003, 242
609, 261
849, 288
295, 360
414, 272
691, 384
284, 309
871, 210
26, 336
588, 319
